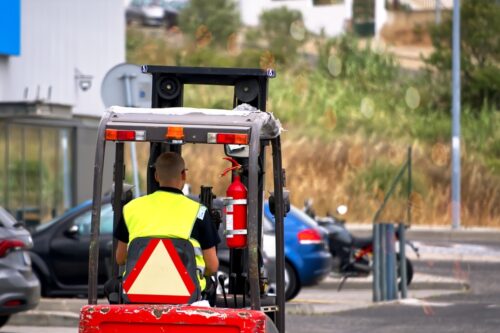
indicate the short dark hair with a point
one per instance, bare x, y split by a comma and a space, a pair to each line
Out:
169, 166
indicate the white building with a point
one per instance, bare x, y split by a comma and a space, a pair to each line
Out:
331, 18
59, 41
53, 57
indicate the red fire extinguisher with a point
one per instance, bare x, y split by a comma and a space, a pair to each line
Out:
236, 208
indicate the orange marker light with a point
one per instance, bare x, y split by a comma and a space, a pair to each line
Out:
175, 133
111, 135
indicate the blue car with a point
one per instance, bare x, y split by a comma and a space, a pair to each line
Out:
307, 258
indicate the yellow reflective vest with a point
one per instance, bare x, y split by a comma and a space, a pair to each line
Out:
166, 214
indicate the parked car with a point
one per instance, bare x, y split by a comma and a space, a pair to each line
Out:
145, 12
172, 10
307, 257
61, 251
19, 287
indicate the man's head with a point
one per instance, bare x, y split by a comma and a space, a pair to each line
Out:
170, 170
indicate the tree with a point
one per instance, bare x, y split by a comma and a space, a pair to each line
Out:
210, 22
283, 32
480, 54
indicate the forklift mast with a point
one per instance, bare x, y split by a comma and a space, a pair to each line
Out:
250, 87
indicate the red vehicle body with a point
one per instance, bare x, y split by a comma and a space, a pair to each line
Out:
132, 318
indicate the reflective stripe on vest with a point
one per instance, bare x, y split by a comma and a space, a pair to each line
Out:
165, 214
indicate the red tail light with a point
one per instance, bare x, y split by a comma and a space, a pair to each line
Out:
8, 245
15, 302
228, 138
120, 135
309, 236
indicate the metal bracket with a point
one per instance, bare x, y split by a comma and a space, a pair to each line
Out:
235, 232
231, 201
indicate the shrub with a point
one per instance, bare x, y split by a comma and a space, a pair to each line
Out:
281, 31
480, 55
210, 22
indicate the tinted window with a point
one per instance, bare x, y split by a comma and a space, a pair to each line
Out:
84, 221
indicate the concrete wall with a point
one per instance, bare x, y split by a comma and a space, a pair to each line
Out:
331, 18
59, 38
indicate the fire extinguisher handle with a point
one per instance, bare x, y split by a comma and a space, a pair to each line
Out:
229, 169
232, 160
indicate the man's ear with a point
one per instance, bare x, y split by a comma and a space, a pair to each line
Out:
156, 176
183, 176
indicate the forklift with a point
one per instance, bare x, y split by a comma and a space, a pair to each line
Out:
243, 133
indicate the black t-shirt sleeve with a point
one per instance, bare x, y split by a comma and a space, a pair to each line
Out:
205, 233
121, 231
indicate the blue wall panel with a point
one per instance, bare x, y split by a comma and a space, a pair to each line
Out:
10, 27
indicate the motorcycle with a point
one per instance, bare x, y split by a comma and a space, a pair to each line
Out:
352, 255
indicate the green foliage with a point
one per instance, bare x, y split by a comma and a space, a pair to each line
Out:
210, 22
356, 62
352, 89
480, 55
148, 49
380, 175
281, 31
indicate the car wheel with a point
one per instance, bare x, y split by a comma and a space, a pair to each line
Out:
292, 284
3, 320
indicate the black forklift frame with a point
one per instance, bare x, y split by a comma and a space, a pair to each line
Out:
197, 126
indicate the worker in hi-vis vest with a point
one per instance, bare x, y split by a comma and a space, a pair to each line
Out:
169, 213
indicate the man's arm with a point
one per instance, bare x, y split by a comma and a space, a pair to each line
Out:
121, 253
211, 261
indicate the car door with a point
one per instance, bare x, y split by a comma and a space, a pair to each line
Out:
69, 248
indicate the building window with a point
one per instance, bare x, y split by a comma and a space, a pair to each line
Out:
36, 178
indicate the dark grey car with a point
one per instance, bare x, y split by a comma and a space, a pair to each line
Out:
19, 287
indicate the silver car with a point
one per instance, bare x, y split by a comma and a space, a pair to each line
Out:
19, 287
146, 12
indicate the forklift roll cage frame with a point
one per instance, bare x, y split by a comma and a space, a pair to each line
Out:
251, 88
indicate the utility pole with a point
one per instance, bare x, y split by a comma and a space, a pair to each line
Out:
455, 130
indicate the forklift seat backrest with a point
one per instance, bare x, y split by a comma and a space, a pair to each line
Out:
161, 270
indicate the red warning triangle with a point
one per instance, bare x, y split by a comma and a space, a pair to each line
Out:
159, 276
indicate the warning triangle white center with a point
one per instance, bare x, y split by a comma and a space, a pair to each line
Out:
159, 276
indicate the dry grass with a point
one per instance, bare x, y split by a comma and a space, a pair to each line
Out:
333, 173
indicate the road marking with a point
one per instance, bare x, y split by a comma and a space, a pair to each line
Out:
418, 302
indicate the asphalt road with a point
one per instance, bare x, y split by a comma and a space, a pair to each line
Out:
476, 310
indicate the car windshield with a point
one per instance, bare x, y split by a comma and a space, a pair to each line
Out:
153, 3
61, 217
7, 220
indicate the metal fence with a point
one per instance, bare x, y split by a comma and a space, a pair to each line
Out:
385, 284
